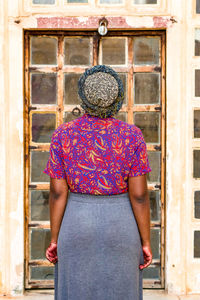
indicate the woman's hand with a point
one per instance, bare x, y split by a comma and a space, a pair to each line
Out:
147, 253
51, 253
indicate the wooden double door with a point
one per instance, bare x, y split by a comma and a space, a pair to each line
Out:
53, 62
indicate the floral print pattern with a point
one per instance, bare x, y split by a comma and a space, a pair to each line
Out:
96, 156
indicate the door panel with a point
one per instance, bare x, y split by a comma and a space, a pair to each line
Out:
54, 62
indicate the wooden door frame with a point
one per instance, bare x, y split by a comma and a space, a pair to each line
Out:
130, 69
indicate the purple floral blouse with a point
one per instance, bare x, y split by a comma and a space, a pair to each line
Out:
96, 156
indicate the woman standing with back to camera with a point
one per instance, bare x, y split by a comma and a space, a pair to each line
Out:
100, 230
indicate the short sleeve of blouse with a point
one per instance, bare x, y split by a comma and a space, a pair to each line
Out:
140, 163
55, 166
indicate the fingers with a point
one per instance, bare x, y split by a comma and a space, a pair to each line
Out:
147, 253
51, 253
147, 262
52, 259
145, 265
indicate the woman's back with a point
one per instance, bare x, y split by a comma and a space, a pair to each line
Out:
97, 155
99, 246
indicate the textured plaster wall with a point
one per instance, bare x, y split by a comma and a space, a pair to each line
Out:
11, 203
176, 229
18, 15
192, 63
2, 148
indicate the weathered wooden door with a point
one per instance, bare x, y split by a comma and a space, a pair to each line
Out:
54, 61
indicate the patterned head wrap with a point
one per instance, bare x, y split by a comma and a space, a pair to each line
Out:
101, 91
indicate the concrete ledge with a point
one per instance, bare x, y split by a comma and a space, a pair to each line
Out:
162, 295
158, 295
148, 295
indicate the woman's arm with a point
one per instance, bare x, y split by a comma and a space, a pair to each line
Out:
57, 204
138, 194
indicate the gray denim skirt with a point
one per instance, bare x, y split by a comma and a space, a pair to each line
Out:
99, 250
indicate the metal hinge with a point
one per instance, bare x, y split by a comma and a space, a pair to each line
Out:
31, 108
158, 108
157, 69
32, 147
32, 186
157, 186
157, 148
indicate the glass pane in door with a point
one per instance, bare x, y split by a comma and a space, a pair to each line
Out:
197, 83
121, 116
154, 161
196, 123
197, 204
155, 242
198, 6
77, 51
43, 126
124, 77
149, 123
196, 163
154, 197
152, 272
43, 50
147, 88
146, 50
43, 88
39, 241
38, 163
196, 244
39, 205
114, 51
71, 88
197, 42
42, 273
